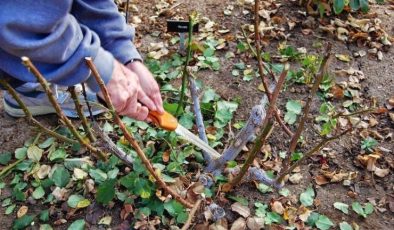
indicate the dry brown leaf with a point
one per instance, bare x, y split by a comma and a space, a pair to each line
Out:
239, 224
381, 172
255, 223
321, 180
295, 178
277, 207
337, 92
22, 211
241, 209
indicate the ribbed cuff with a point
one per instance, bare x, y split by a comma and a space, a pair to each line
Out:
104, 62
123, 51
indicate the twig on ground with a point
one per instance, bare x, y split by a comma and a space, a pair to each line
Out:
315, 88
127, 159
308, 154
26, 61
129, 137
197, 112
191, 215
78, 107
9, 167
355, 113
30, 117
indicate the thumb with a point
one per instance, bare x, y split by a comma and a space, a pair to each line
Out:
145, 100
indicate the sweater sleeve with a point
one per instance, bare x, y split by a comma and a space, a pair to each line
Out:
102, 16
53, 39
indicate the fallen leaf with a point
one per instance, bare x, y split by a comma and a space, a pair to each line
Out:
106, 220
22, 211
295, 178
381, 172
239, 224
277, 207
255, 223
241, 209
321, 180
343, 57
43, 171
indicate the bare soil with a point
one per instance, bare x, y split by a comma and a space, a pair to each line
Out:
379, 84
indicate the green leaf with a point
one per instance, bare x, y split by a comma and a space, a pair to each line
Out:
264, 188
368, 208
209, 52
358, 209
20, 153
338, 6
354, 4
273, 217
294, 106
73, 200
22, 222
10, 209
38, 193
106, 191
5, 158
345, 226
306, 198
296, 156
261, 210
34, 153
290, 118
209, 95
186, 120
58, 154
324, 223
284, 192
312, 219
174, 208
107, 127
182, 218
77, 225
48, 142
60, 176
45, 227
224, 113
235, 72
364, 5
342, 206
240, 199
98, 175
44, 215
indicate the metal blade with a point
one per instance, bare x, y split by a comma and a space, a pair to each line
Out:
189, 136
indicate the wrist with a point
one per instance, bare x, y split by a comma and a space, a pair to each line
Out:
132, 61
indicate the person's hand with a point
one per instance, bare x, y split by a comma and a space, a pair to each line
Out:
126, 94
148, 85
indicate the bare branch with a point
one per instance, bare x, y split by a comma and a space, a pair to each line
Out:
309, 154
315, 88
191, 215
30, 117
129, 137
26, 61
78, 107
197, 112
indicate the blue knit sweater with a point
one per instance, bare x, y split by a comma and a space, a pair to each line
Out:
58, 34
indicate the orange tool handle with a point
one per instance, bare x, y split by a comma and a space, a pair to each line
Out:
165, 121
